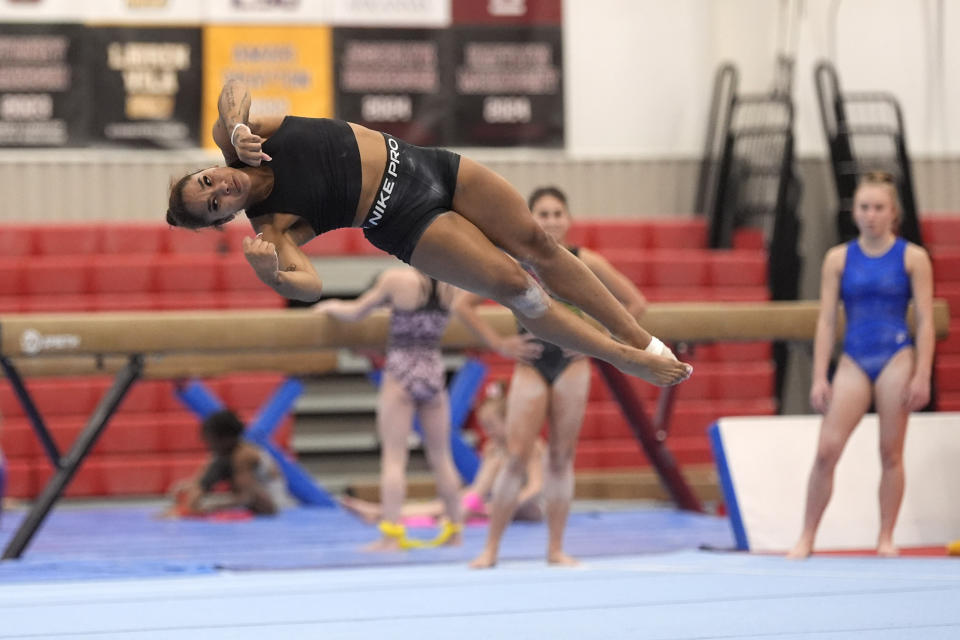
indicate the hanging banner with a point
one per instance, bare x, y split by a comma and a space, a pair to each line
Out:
392, 80
44, 92
508, 75
287, 69
390, 13
147, 83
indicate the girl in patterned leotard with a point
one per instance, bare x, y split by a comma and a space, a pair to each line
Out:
548, 382
413, 383
875, 275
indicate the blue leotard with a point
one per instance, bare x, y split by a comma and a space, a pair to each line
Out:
875, 293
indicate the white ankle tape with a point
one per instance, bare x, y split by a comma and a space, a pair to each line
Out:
656, 347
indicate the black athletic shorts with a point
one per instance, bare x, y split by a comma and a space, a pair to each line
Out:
417, 186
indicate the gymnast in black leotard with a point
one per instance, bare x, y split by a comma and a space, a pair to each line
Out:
548, 381
448, 216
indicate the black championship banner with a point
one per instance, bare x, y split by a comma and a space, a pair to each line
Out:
44, 92
508, 73
147, 86
392, 80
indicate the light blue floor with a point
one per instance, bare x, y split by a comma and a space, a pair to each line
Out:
120, 573
682, 595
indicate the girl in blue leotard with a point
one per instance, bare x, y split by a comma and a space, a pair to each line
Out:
876, 275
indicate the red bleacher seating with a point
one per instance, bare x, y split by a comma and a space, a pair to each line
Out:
11, 276
204, 241
68, 239
738, 268
129, 273
196, 273
140, 238
619, 234
17, 240
941, 231
57, 275
677, 234
58, 303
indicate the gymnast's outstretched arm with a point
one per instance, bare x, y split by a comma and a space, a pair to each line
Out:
380, 294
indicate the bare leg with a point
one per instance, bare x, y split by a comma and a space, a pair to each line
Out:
893, 416
851, 399
526, 410
369, 512
435, 419
454, 250
568, 401
500, 212
394, 420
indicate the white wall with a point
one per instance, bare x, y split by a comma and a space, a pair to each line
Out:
650, 98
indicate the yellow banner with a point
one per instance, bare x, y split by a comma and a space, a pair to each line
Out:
289, 70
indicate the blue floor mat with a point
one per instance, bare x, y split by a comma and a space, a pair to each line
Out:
114, 542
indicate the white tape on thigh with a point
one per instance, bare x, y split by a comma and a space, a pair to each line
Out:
533, 302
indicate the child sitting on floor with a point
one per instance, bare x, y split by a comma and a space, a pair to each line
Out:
254, 481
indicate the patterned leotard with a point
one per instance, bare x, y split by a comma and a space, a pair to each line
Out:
413, 348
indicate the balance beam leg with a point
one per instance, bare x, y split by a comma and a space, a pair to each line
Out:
71, 462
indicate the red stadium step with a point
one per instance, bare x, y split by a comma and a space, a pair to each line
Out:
748, 238
11, 275
946, 265
186, 241
738, 268
57, 275
17, 240
248, 391
949, 401
941, 231
677, 234
607, 235
111, 274
126, 302
733, 352
951, 344
627, 453
68, 239
948, 373
22, 481
188, 273
680, 268
139, 238
189, 300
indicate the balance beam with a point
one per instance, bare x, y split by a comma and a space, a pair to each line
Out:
34, 335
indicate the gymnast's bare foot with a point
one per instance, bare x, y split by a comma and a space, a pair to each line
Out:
800, 551
560, 559
384, 545
886, 549
455, 540
486, 560
659, 370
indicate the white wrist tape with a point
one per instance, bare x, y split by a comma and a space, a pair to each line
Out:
234, 132
656, 347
